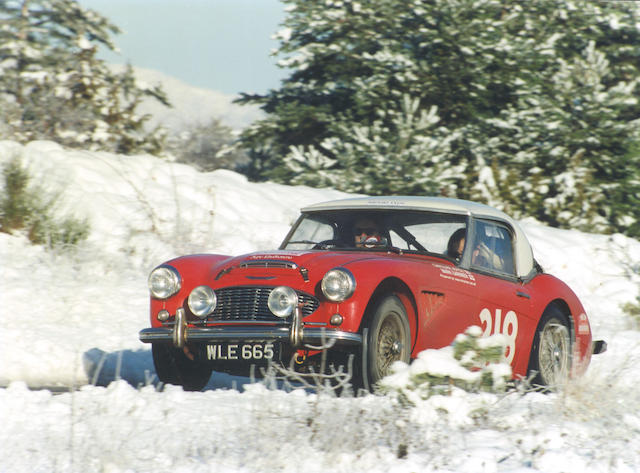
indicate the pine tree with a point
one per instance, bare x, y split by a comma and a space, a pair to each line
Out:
570, 158
52, 85
533, 106
353, 61
360, 154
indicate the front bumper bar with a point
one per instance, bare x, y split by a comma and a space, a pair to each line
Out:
311, 338
296, 334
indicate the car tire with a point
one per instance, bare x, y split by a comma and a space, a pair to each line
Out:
388, 338
550, 362
173, 367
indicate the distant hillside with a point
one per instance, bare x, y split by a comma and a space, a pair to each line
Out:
192, 105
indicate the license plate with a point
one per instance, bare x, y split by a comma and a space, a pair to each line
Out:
264, 351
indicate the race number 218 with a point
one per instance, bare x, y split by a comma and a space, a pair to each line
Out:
494, 324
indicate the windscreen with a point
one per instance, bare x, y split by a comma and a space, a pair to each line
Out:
418, 231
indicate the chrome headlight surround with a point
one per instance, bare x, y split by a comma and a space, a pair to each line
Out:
202, 301
338, 284
282, 301
164, 282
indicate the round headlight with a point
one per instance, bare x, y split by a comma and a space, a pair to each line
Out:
164, 282
338, 284
202, 301
283, 301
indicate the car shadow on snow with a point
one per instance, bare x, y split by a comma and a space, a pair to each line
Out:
136, 368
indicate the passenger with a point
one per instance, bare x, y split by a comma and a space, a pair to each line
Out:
482, 255
455, 247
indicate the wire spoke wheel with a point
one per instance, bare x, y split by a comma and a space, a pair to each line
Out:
390, 342
554, 353
389, 338
550, 362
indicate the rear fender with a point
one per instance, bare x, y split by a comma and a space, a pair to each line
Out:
580, 356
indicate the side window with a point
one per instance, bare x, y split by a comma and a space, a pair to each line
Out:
492, 249
435, 236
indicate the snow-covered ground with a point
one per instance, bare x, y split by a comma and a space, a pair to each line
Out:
71, 319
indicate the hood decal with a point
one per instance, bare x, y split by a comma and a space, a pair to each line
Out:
280, 255
275, 260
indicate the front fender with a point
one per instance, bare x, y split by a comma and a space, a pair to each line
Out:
371, 284
194, 270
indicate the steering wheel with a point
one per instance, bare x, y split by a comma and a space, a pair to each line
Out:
324, 244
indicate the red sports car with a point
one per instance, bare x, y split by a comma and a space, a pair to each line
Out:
373, 279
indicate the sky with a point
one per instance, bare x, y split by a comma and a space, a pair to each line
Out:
223, 45
71, 318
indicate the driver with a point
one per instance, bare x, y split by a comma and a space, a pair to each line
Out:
365, 229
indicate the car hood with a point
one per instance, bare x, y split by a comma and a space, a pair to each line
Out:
308, 265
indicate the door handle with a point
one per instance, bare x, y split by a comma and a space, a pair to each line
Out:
523, 294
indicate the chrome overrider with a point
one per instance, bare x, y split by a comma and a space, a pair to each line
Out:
296, 333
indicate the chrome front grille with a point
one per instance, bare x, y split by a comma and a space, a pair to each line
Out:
249, 303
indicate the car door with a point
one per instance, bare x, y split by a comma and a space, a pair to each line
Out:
504, 303
448, 305
447, 296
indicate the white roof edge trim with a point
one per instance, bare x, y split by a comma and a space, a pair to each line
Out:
523, 253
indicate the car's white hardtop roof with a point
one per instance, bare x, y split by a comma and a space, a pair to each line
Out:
439, 204
523, 253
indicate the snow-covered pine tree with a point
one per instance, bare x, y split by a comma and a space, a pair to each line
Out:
354, 62
521, 121
52, 85
360, 155
566, 152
